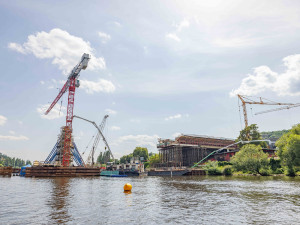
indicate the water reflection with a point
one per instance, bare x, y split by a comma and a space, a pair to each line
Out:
156, 200
59, 200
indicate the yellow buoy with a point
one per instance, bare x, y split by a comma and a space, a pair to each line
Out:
127, 187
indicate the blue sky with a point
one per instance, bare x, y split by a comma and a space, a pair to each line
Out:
158, 68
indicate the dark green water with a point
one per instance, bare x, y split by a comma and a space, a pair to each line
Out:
153, 200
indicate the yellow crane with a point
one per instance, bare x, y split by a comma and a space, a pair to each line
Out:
246, 100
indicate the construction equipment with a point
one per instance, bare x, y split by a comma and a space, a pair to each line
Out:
246, 100
100, 132
90, 159
278, 109
71, 83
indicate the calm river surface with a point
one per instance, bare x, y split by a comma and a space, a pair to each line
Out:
153, 200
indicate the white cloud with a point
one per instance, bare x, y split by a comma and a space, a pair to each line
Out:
177, 116
139, 140
184, 23
3, 120
173, 37
110, 111
99, 86
176, 134
12, 132
146, 51
135, 120
42, 82
64, 49
104, 37
117, 24
14, 138
55, 113
115, 128
20, 122
235, 42
17, 47
264, 79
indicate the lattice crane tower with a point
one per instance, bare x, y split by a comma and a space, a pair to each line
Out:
71, 83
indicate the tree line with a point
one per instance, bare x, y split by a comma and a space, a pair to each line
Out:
14, 162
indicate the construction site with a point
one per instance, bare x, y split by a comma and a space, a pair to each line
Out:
65, 159
184, 151
188, 149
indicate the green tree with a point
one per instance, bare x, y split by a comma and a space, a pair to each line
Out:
289, 149
103, 157
126, 158
154, 159
141, 152
254, 135
250, 159
28, 162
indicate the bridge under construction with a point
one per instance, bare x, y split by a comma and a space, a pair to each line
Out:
188, 149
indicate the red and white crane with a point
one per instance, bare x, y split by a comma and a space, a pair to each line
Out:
71, 83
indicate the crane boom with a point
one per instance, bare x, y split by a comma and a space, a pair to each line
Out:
73, 75
100, 132
278, 109
96, 141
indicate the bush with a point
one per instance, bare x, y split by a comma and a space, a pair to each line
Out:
250, 159
279, 171
214, 171
290, 171
211, 167
227, 170
275, 164
264, 172
146, 164
223, 163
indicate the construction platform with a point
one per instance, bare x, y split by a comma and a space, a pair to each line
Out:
6, 171
47, 171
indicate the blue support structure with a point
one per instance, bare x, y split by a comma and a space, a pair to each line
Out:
52, 154
77, 157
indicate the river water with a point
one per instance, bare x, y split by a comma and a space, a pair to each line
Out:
153, 200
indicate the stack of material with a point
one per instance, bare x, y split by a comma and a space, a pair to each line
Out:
196, 172
44, 171
6, 171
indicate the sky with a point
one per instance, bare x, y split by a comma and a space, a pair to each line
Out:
157, 68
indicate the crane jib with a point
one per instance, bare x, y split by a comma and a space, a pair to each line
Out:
74, 74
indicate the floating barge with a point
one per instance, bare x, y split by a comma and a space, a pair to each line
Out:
6, 171
47, 171
176, 172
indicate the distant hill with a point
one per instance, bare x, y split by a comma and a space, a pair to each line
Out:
14, 162
273, 135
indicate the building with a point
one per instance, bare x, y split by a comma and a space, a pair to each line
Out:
188, 149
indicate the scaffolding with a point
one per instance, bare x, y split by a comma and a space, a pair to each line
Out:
186, 150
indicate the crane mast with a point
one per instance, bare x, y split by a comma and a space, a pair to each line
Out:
71, 83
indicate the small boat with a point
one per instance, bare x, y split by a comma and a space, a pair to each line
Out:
112, 173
